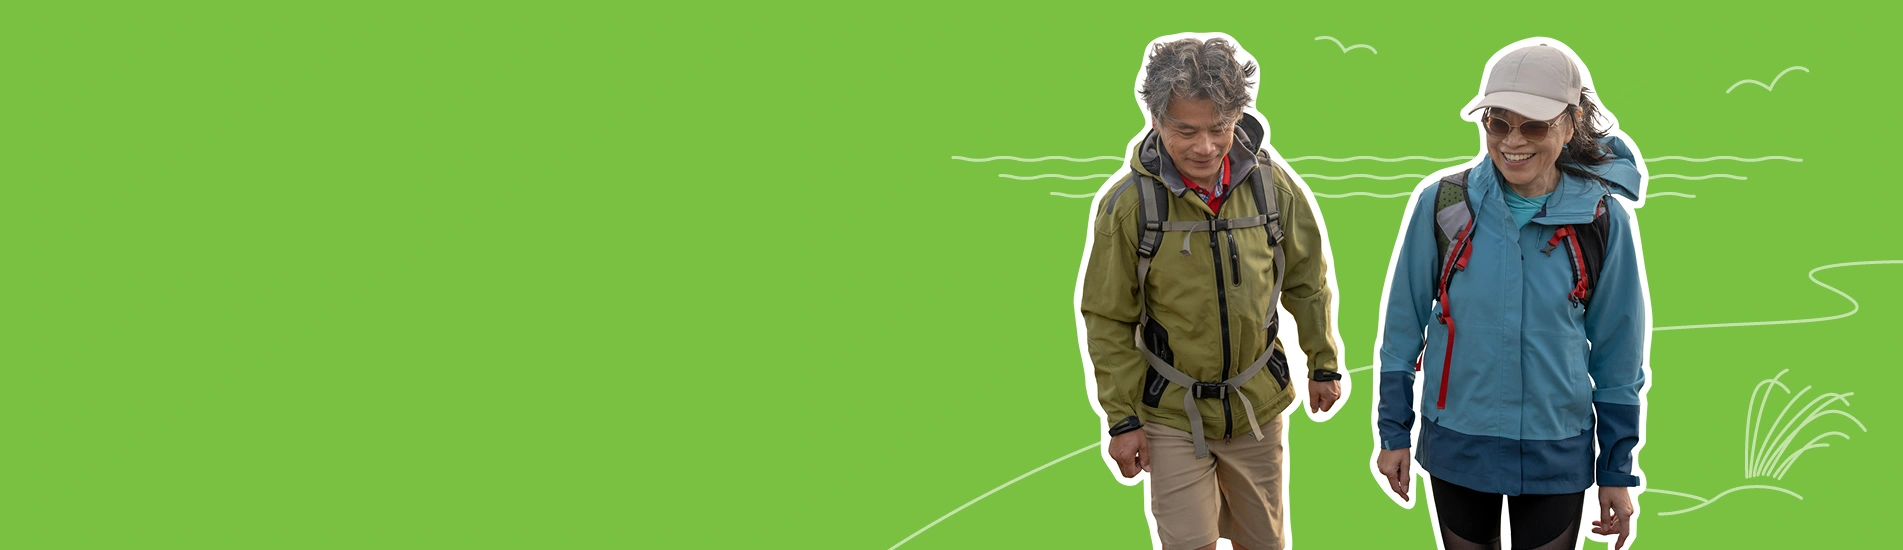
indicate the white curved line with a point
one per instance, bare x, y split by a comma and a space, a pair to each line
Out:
1770, 87
1705, 177
1359, 194
1070, 196
1703, 502
1854, 306
1724, 157
1038, 159
955, 511
1364, 176
1378, 159
1059, 176
1812, 444
1346, 48
1671, 194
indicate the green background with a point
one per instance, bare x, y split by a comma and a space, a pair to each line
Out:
463, 275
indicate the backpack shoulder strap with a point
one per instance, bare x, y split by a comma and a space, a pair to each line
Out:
1452, 210
1265, 199
1153, 209
1592, 238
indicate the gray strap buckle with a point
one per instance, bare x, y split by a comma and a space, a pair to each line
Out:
1210, 390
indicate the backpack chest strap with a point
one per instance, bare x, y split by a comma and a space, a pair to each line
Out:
1220, 223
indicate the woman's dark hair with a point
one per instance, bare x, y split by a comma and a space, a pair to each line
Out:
1584, 150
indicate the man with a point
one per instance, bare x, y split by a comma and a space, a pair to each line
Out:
1182, 337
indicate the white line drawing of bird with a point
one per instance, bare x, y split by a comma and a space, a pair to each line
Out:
1344, 49
1767, 87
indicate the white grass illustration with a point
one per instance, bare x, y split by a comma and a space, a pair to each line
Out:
1070, 196
1671, 194
1767, 449
1345, 49
1767, 87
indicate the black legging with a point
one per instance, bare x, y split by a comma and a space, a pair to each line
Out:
1470, 520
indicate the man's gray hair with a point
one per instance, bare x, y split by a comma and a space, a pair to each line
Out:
1192, 69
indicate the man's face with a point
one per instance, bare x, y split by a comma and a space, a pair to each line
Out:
1196, 137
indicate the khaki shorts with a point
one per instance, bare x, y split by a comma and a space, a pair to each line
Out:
1234, 493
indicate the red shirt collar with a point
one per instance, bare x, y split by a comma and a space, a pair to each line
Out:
1219, 184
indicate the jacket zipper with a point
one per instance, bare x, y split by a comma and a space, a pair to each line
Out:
1222, 308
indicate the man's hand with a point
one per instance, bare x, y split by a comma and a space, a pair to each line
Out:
1322, 395
1131, 450
1394, 465
1615, 514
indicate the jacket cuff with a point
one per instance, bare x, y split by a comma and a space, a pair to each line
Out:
1616, 479
1402, 441
1127, 425
1324, 375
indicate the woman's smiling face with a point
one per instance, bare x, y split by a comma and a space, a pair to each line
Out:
1520, 160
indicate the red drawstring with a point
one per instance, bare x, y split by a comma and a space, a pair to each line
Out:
1462, 251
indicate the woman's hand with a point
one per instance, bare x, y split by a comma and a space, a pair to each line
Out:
1616, 514
1394, 465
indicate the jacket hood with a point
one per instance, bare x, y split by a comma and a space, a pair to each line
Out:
1150, 160
1576, 199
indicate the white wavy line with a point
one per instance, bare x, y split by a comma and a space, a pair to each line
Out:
1360, 194
1725, 157
1378, 159
1364, 176
1070, 196
993, 490
1854, 306
1703, 502
1671, 194
1038, 159
1059, 176
1704, 177
1772, 86
1345, 49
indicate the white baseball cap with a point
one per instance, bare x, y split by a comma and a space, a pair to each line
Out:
1538, 82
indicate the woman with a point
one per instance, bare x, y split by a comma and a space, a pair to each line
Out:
1516, 290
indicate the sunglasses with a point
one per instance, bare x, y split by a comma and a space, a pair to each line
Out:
1532, 130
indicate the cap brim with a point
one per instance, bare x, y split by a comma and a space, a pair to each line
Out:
1528, 105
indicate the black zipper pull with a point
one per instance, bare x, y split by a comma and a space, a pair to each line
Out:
1235, 260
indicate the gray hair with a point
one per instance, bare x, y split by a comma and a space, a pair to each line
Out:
1193, 69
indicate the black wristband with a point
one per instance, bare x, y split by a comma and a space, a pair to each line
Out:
1325, 375
1127, 425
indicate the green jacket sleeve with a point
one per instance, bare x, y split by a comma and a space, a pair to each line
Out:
1306, 294
1110, 309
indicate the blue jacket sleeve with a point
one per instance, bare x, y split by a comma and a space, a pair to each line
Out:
1617, 324
1411, 288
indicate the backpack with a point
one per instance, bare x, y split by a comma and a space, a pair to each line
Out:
1152, 203
1585, 245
